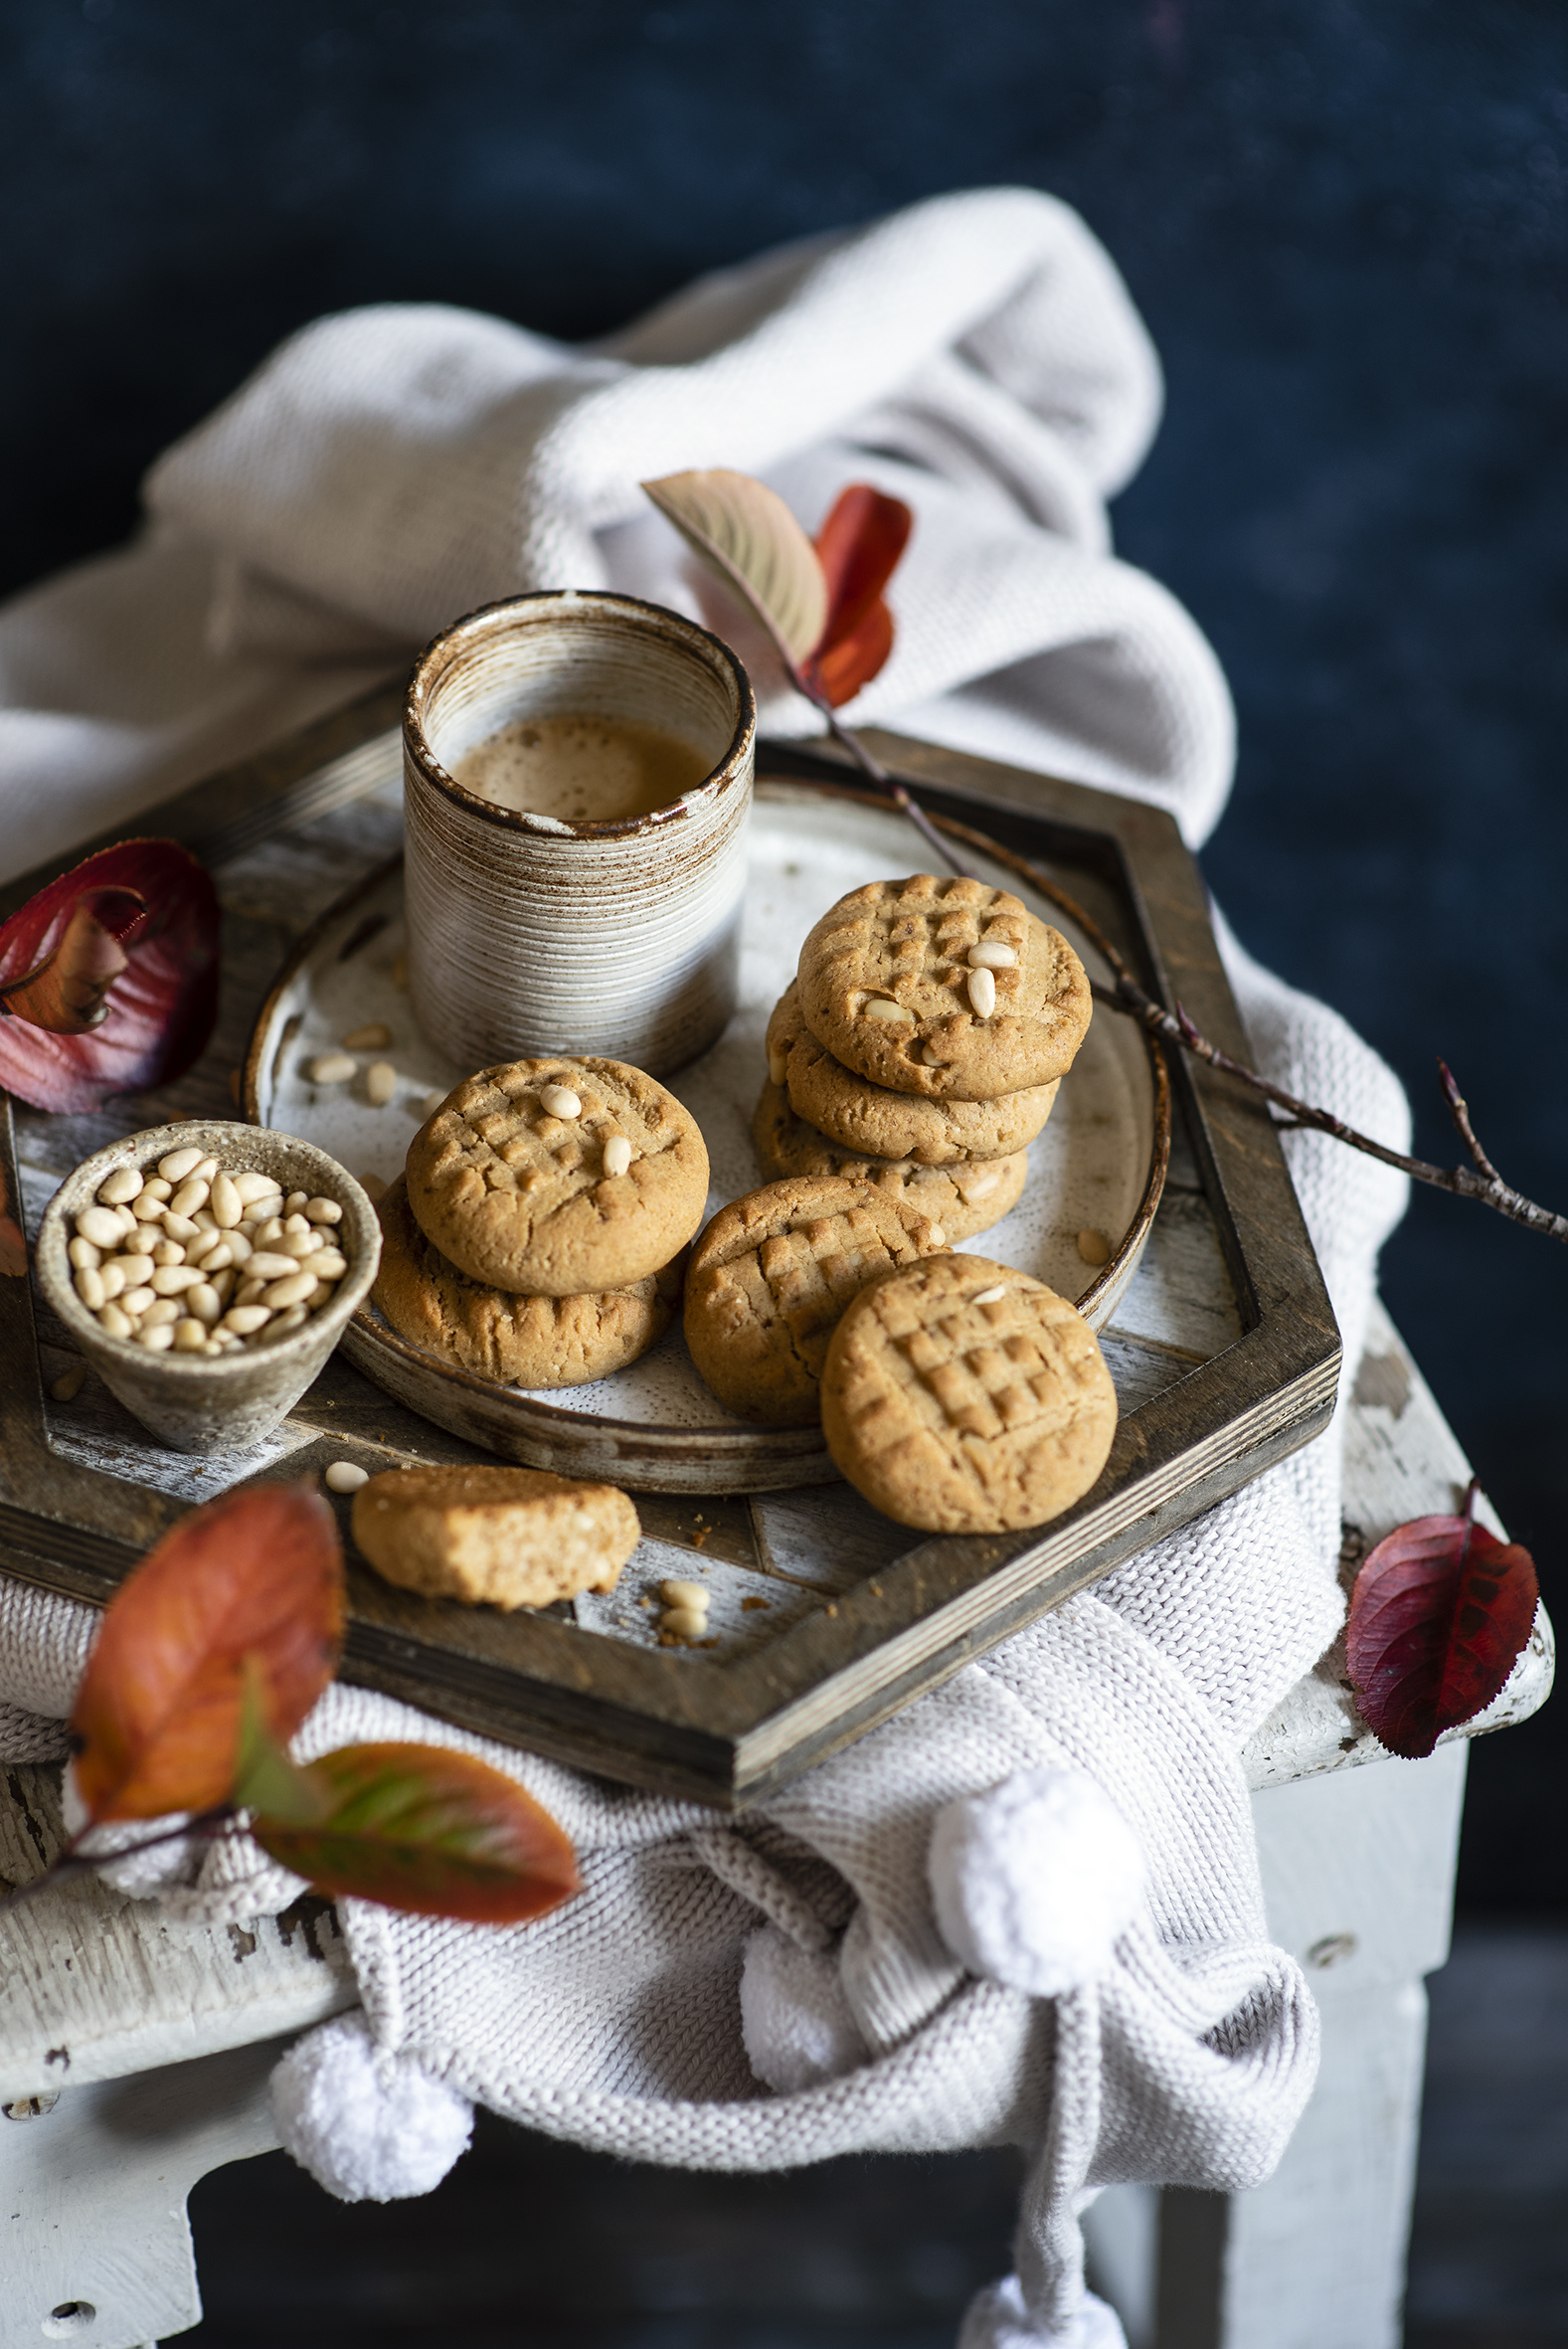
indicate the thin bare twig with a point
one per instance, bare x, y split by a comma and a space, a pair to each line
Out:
1480, 1181
72, 1863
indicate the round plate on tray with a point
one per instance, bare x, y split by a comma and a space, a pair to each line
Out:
1100, 1164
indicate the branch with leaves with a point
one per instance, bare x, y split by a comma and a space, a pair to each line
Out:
210, 1656
823, 609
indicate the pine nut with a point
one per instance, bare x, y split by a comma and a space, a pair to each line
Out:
253, 1187
204, 1302
204, 1219
188, 1197
936, 1238
328, 1264
115, 1323
684, 1623
83, 1256
296, 1202
100, 1226
269, 1264
124, 1218
178, 1165
172, 1280
879, 1007
293, 1291
225, 1284
155, 1188
991, 954
1092, 1246
685, 1594
240, 1247
69, 1383
216, 1259
991, 1295
162, 1313
156, 1337
250, 1292
983, 992
137, 1269
246, 1320
381, 1083
975, 1186
331, 1068
148, 1208
227, 1205
374, 1036
344, 1477
292, 1319
559, 1101
122, 1184
618, 1153
168, 1252
778, 1066
88, 1286
113, 1277
190, 1338
265, 1234
298, 1244
324, 1212
295, 1223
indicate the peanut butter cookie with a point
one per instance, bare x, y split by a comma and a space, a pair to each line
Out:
965, 1397
771, 1276
882, 1123
494, 1536
963, 1199
949, 988
554, 1177
534, 1341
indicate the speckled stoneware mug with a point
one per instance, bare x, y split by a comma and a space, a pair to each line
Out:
527, 934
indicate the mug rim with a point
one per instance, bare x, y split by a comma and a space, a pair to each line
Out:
659, 618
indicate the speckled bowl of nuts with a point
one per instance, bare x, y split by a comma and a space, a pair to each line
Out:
207, 1270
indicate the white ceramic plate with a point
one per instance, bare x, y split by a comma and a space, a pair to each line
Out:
1098, 1165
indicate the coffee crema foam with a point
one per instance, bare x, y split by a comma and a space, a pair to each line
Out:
581, 770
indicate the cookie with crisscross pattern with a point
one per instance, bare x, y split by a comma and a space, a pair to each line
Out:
771, 1274
949, 988
963, 1199
879, 1122
551, 1177
965, 1397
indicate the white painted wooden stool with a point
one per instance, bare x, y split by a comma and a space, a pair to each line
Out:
134, 2052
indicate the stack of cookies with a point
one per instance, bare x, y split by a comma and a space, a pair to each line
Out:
536, 1233
920, 1047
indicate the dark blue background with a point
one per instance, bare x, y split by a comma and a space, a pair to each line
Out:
1345, 224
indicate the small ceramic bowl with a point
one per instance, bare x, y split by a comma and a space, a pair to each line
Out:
222, 1402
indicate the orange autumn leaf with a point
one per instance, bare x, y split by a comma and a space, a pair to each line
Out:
858, 546
423, 1828
258, 1574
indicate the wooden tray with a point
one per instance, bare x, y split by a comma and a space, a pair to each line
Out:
1223, 1345
1101, 1162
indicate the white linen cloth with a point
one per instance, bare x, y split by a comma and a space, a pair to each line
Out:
778, 1990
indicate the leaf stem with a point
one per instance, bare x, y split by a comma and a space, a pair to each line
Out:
873, 769
72, 1863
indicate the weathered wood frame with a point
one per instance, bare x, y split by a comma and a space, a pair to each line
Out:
728, 1733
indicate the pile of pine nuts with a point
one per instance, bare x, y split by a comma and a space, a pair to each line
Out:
201, 1259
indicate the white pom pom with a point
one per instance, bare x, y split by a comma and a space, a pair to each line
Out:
996, 2318
795, 2018
1033, 1882
369, 2126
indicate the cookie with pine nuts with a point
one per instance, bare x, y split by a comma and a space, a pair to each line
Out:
946, 989
962, 1396
551, 1177
770, 1277
504, 1537
879, 1122
963, 1199
531, 1341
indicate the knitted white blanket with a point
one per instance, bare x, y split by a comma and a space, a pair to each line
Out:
1081, 1963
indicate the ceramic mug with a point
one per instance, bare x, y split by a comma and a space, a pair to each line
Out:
530, 935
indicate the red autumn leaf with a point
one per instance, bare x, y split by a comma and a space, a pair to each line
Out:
257, 1575
858, 546
109, 978
423, 1828
1440, 1615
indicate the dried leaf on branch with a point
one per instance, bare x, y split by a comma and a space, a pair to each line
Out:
1441, 1613
109, 978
